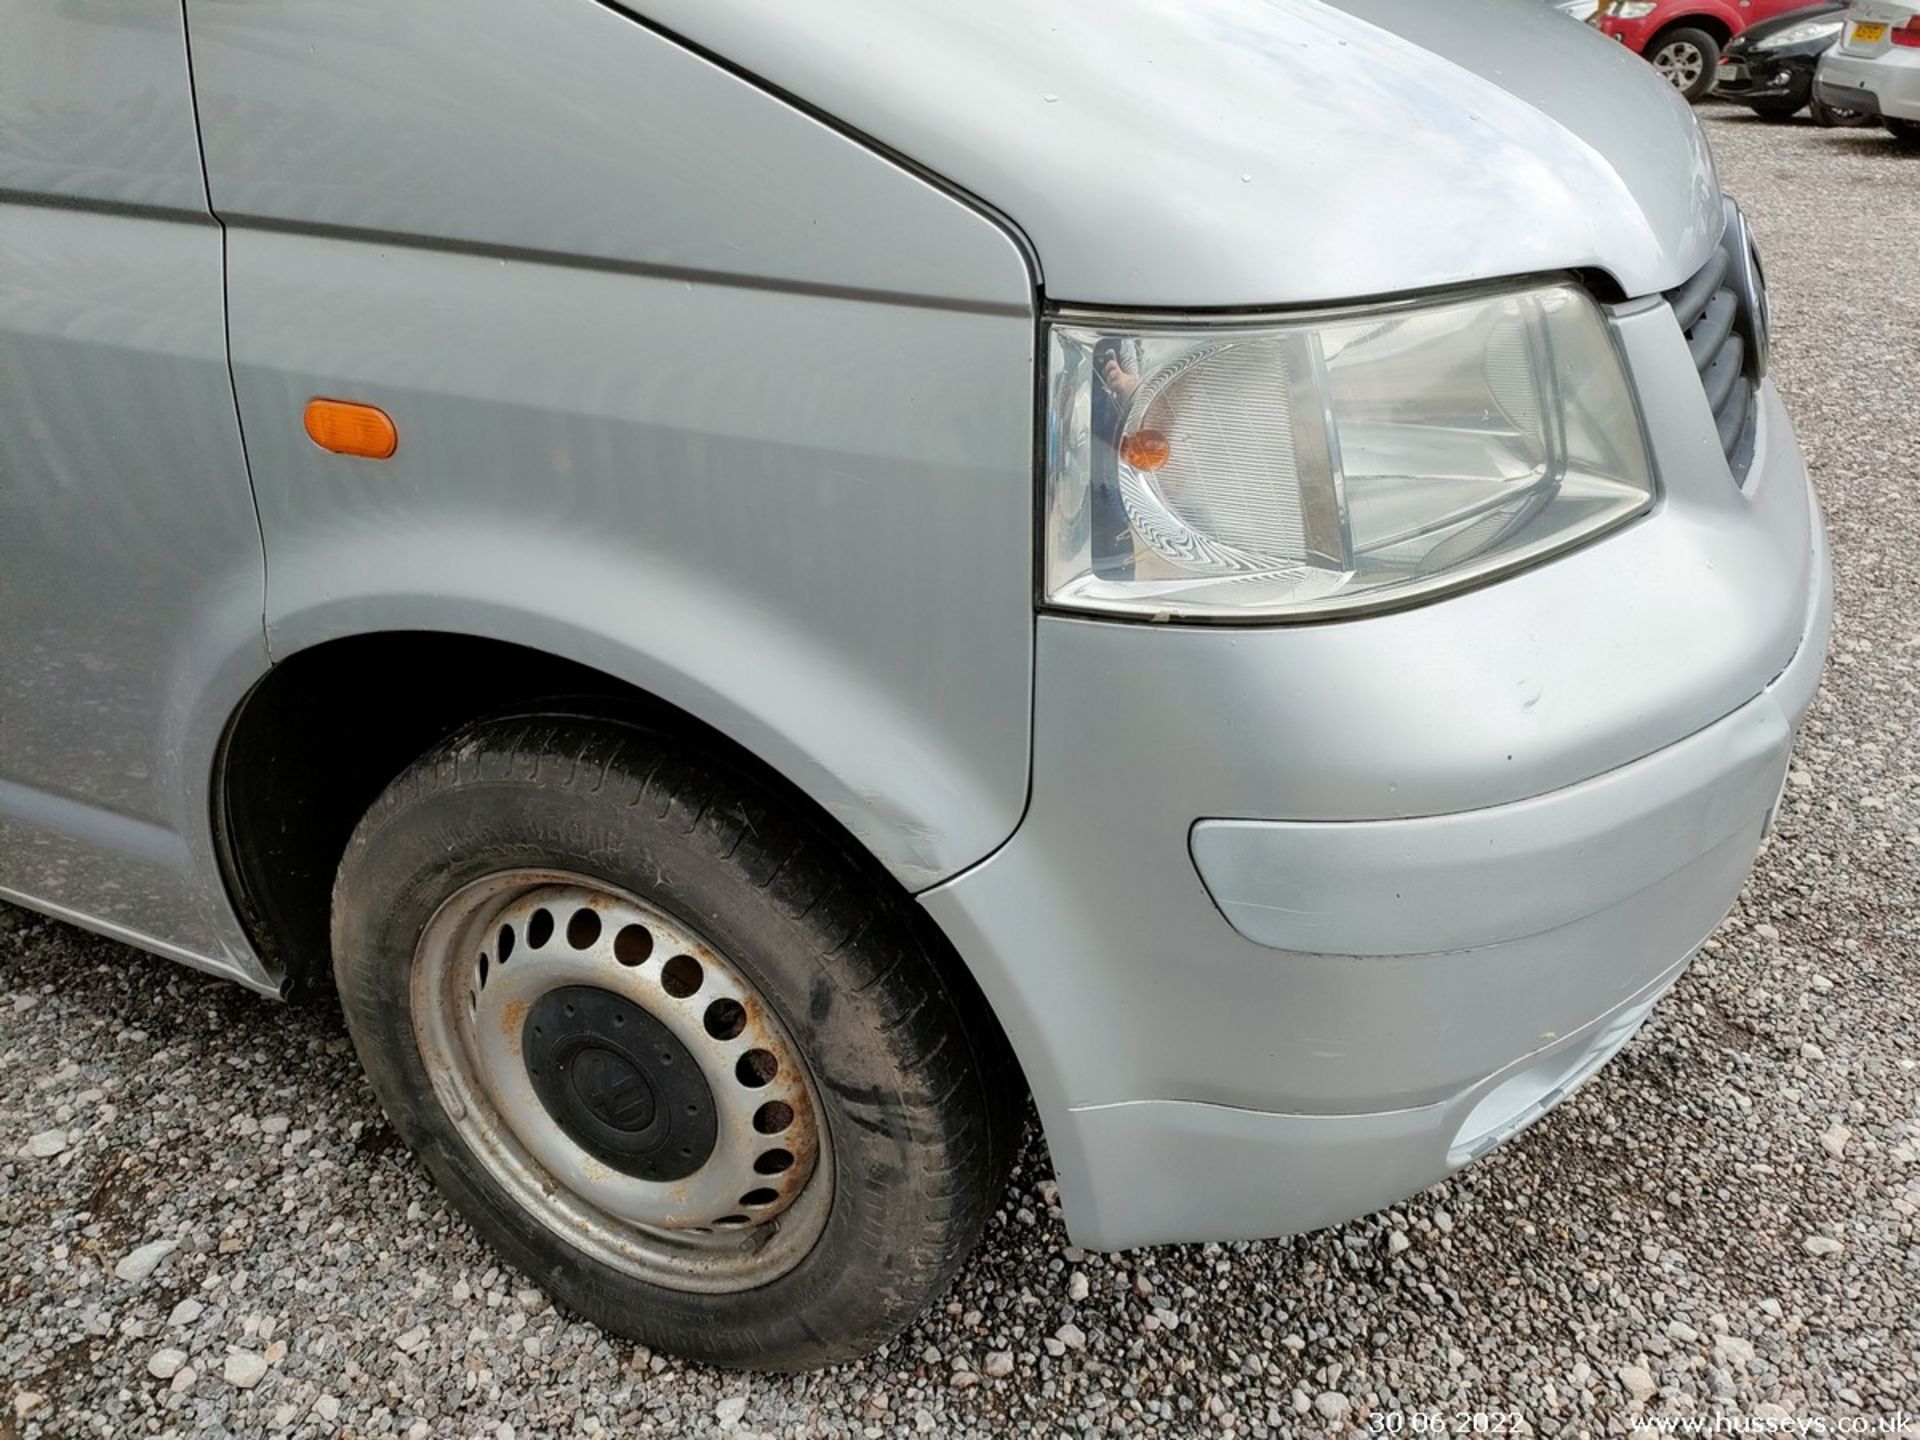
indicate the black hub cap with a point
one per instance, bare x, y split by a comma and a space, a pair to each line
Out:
619, 1083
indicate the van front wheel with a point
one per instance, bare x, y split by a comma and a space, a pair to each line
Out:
667, 1043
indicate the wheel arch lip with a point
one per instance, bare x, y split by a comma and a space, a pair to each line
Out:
899, 829
891, 804
1723, 22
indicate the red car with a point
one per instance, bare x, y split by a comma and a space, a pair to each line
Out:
1683, 38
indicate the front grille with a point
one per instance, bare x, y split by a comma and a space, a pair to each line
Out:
1724, 336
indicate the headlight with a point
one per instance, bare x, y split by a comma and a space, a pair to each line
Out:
1805, 33
1344, 461
1634, 9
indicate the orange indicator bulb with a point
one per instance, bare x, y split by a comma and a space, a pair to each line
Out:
1145, 449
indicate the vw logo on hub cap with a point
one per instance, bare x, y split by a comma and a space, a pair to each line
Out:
613, 1088
620, 1084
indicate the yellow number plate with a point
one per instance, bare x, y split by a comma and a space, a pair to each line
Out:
1864, 34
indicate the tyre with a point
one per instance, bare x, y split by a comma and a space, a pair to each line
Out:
1835, 118
1778, 111
668, 1043
1906, 133
1687, 58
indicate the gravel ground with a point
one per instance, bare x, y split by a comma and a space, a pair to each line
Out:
1726, 1218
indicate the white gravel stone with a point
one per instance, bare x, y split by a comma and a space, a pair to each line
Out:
1822, 1245
165, 1364
1733, 1350
729, 1410
999, 1363
137, 1265
244, 1369
1636, 1381
45, 1145
186, 1312
1332, 1404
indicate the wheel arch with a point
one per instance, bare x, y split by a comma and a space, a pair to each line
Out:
329, 726
1721, 24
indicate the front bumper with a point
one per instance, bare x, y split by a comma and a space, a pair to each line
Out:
1590, 749
1884, 85
1758, 76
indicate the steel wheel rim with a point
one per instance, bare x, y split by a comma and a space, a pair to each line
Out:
754, 1206
1681, 62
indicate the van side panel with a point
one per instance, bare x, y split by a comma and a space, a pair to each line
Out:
130, 560
689, 388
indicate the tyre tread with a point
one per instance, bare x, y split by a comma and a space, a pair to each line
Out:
954, 1106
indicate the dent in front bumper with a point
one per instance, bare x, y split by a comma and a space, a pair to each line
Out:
1497, 875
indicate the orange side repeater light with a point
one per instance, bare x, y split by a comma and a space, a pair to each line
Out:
348, 428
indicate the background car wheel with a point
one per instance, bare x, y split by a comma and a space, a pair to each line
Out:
1833, 117
1686, 57
1906, 133
668, 1043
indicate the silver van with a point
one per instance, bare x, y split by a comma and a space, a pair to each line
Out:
754, 584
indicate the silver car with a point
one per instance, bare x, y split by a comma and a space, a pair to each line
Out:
755, 584
1875, 67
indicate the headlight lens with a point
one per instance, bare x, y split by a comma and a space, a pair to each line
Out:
1342, 462
1634, 9
1805, 33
